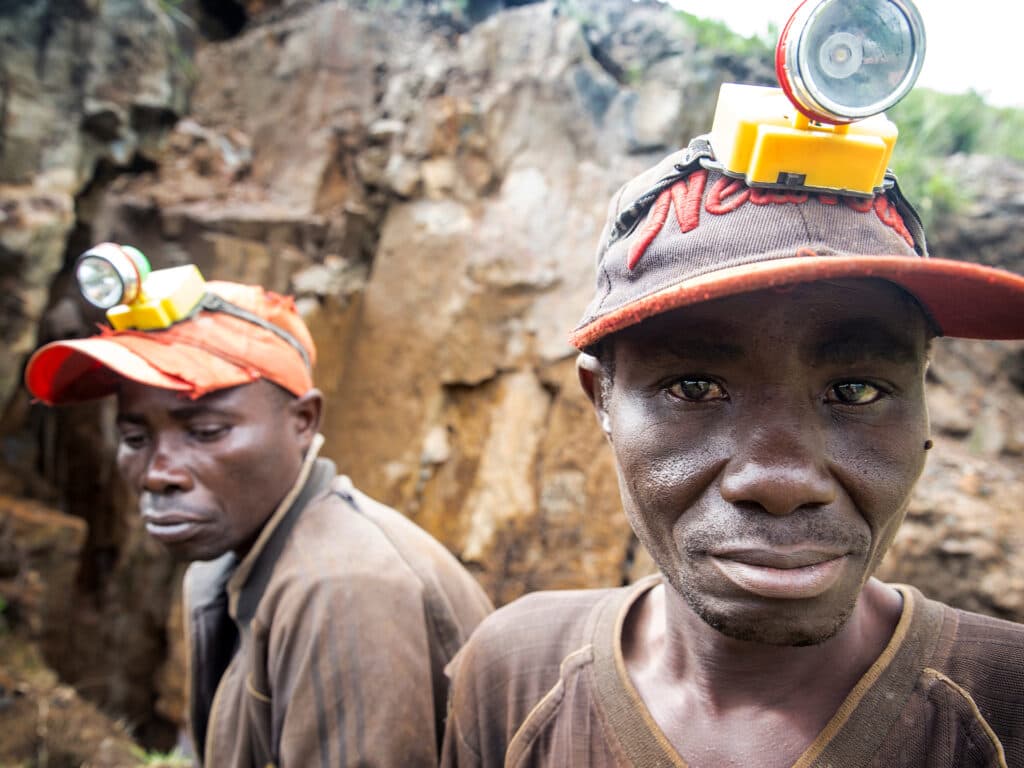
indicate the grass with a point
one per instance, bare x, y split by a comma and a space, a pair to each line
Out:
172, 759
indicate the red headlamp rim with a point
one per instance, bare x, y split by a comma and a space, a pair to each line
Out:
790, 37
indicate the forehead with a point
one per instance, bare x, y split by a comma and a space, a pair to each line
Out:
814, 320
141, 400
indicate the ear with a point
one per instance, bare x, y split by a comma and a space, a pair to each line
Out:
306, 412
591, 374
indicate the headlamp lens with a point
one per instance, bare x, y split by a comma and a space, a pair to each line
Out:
844, 60
100, 283
109, 274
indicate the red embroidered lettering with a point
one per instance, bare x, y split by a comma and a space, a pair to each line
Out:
685, 196
861, 204
723, 197
890, 216
760, 196
655, 221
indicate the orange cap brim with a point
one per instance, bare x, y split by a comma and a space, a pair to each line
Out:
84, 369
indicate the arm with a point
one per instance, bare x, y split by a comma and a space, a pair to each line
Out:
349, 666
461, 746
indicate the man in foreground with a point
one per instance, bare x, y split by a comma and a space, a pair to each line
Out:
319, 621
756, 360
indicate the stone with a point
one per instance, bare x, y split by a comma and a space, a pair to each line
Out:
39, 550
35, 225
402, 175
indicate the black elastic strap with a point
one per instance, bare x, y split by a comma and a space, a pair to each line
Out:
211, 302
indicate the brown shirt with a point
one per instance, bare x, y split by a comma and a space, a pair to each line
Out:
326, 645
542, 683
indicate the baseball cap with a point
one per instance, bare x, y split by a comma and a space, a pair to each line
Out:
240, 333
683, 232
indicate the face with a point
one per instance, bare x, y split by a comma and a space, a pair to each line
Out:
767, 445
209, 472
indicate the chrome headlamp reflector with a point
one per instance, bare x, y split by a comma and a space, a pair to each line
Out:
844, 60
110, 274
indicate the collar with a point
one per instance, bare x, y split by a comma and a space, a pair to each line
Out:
246, 566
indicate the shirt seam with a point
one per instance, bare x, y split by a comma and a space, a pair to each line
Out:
975, 712
554, 694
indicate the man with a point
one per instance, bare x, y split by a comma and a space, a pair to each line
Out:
756, 359
320, 621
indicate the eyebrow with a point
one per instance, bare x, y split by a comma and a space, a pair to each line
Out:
710, 350
182, 413
864, 339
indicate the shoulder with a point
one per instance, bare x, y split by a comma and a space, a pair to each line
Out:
540, 628
346, 533
981, 650
518, 656
978, 665
352, 550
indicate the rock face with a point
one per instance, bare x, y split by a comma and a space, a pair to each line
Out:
83, 85
433, 194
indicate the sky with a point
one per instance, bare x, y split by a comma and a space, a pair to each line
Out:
964, 50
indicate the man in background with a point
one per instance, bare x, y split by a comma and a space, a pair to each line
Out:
756, 359
319, 622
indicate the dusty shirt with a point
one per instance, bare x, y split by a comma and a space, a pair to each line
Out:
326, 646
542, 683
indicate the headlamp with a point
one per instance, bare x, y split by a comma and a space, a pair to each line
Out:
840, 63
118, 278
110, 274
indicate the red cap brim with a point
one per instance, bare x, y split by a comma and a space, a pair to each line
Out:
965, 300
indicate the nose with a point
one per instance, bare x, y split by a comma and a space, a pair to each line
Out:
165, 472
779, 462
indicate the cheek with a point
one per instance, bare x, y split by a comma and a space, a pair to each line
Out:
250, 477
879, 467
666, 461
130, 465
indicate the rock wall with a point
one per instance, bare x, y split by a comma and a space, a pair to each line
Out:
433, 193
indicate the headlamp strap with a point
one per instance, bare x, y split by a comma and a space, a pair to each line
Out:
910, 216
211, 302
699, 153
697, 150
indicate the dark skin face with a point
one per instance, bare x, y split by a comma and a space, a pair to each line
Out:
209, 472
767, 445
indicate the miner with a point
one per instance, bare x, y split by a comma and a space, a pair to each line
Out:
319, 621
756, 360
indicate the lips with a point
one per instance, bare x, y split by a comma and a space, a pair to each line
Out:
170, 528
786, 573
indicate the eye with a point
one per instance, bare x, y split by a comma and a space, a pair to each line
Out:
697, 390
207, 433
133, 440
853, 393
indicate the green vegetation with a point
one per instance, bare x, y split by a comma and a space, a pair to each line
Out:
172, 759
715, 35
934, 125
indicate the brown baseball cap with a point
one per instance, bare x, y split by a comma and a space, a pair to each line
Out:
239, 334
683, 233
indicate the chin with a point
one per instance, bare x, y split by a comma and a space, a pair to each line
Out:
772, 632
188, 552
770, 622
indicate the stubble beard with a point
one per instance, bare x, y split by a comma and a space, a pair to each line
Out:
750, 629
